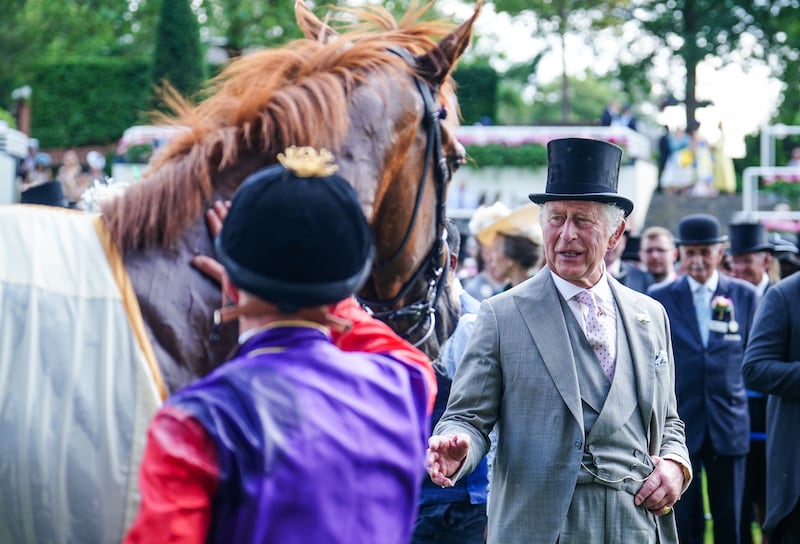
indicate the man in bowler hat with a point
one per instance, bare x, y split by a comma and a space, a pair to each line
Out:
710, 315
315, 430
575, 373
751, 254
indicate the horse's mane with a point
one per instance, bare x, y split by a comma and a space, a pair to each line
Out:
259, 105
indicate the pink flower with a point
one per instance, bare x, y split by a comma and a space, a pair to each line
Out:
721, 306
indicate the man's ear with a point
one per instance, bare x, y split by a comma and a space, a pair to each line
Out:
617, 236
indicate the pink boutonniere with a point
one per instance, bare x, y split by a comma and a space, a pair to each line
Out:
721, 306
723, 315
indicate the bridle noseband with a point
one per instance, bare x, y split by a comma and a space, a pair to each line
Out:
422, 312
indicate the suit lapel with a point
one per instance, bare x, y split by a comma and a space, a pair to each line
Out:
637, 324
551, 338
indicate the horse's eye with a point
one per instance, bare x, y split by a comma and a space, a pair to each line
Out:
442, 113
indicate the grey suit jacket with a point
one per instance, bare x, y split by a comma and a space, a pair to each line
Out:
772, 366
518, 372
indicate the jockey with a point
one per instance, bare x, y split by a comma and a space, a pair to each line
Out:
315, 430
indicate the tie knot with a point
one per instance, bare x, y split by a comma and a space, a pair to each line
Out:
585, 298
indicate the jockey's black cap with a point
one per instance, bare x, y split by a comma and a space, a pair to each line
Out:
296, 239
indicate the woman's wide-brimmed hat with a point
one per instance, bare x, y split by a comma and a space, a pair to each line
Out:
486, 215
583, 169
296, 235
523, 221
749, 238
699, 229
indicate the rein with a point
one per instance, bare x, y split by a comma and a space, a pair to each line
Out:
422, 311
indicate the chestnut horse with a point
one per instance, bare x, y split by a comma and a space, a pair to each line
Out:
89, 348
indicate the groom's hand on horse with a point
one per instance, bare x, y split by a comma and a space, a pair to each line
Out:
215, 217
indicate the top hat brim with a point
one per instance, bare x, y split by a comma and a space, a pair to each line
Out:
755, 249
688, 242
605, 198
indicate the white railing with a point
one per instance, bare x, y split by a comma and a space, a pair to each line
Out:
750, 184
13, 142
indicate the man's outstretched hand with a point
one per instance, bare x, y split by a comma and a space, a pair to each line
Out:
446, 454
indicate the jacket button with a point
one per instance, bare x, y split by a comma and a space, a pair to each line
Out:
578, 444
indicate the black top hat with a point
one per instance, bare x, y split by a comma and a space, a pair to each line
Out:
296, 240
749, 238
699, 229
632, 245
49, 193
583, 169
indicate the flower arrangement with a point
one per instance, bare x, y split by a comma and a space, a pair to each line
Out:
721, 306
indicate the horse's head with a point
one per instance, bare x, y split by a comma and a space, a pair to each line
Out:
379, 96
400, 154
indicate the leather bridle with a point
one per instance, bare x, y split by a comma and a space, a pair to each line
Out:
422, 312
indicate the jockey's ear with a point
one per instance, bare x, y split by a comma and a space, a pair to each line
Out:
312, 27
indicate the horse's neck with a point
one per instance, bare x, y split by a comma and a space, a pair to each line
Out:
177, 304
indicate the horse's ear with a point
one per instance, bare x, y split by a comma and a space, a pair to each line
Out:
436, 64
312, 27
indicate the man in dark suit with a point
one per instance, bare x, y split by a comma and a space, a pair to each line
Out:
751, 254
710, 317
624, 271
772, 366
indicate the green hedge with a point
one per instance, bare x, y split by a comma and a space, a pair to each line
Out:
477, 92
86, 102
523, 156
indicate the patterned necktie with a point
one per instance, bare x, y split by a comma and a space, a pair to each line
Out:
702, 310
599, 333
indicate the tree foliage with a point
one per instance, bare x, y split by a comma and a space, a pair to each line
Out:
695, 30
178, 59
557, 18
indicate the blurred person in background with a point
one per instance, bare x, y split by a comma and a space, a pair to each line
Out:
658, 253
484, 284
516, 243
751, 253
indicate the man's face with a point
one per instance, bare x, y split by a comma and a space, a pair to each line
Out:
751, 266
576, 239
658, 255
700, 261
499, 265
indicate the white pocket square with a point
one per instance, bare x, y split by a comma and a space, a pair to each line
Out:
661, 358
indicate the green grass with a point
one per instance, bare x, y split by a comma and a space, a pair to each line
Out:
709, 537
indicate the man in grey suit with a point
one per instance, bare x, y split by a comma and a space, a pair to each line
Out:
576, 373
772, 366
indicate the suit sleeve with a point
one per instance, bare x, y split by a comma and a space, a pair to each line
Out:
673, 437
767, 365
367, 334
477, 387
178, 480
